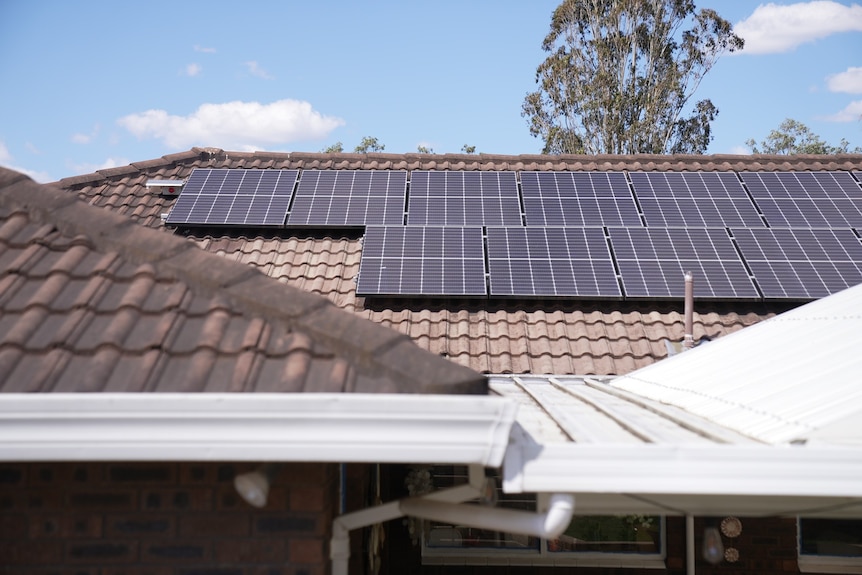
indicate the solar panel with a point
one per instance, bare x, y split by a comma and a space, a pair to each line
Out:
420, 260
653, 262
349, 198
801, 263
694, 199
807, 199
550, 261
225, 197
578, 199
453, 198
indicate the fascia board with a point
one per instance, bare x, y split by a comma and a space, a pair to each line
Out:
382, 428
692, 475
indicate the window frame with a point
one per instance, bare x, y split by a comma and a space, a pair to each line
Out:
823, 563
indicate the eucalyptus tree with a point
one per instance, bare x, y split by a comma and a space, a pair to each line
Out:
794, 137
620, 74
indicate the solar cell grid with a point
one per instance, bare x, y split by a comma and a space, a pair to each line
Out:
801, 263
550, 262
223, 197
694, 199
653, 262
578, 199
807, 199
422, 260
349, 198
457, 198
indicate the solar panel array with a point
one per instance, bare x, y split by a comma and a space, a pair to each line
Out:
234, 198
444, 198
349, 198
752, 235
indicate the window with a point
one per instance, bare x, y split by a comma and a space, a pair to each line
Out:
621, 541
830, 545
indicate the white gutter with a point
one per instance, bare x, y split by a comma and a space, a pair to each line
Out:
324, 427
447, 506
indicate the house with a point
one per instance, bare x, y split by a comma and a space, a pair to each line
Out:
539, 336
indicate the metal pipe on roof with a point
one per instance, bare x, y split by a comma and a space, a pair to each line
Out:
688, 339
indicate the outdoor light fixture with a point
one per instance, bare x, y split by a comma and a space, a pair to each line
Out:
253, 486
713, 548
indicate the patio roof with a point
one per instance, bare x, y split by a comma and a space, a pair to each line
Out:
765, 421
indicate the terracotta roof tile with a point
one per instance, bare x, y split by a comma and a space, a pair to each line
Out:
92, 301
519, 337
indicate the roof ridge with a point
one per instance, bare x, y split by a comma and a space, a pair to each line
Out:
370, 347
575, 162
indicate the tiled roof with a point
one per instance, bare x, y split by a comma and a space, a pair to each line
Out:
91, 301
512, 336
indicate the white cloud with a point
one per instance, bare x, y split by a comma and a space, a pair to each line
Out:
255, 70
87, 168
740, 150
234, 125
7, 161
848, 81
851, 113
193, 70
81, 138
773, 29
204, 50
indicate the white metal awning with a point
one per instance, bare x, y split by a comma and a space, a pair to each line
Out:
766, 421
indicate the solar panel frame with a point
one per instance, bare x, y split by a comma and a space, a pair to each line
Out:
580, 199
806, 199
653, 262
422, 261
349, 198
694, 199
234, 197
463, 198
801, 264
551, 261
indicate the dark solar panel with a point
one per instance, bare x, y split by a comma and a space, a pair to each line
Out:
807, 199
578, 199
550, 261
653, 262
694, 199
801, 263
419, 260
349, 198
227, 197
455, 198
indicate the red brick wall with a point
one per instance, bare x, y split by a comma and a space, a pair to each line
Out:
163, 519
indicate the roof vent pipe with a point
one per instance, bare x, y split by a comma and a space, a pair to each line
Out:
688, 338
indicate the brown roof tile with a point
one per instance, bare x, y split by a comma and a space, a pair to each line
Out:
92, 301
518, 336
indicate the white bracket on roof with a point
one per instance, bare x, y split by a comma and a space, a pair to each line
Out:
170, 188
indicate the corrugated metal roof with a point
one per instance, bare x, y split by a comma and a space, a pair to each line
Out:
793, 378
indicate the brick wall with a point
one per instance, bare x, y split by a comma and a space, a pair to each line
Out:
164, 519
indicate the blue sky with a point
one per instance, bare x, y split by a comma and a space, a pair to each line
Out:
90, 84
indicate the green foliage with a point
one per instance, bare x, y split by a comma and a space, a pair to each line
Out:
335, 148
794, 137
369, 144
468, 149
424, 150
620, 73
